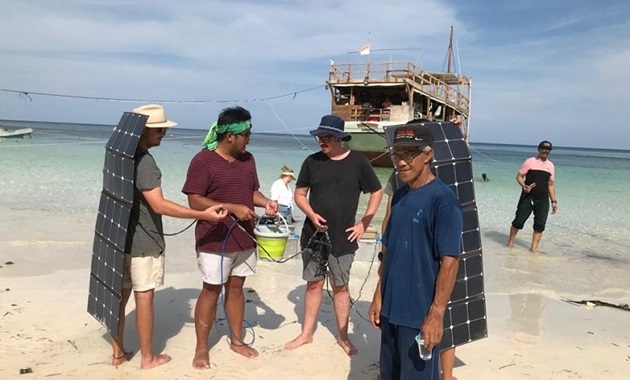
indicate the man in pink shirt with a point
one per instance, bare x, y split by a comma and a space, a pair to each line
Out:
536, 178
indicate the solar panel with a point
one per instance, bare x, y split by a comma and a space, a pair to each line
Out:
110, 232
465, 318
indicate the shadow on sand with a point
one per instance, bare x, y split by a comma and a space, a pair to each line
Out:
174, 308
365, 338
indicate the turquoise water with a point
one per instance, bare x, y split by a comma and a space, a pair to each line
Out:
59, 170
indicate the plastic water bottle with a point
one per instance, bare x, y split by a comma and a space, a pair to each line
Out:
425, 353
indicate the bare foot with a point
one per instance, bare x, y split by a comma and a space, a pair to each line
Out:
510, 243
156, 360
244, 350
347, 346
118, 360
201, 359
297, 342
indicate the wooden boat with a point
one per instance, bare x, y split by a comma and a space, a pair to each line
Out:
15, 133
370, 96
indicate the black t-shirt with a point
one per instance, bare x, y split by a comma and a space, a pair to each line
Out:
334, 189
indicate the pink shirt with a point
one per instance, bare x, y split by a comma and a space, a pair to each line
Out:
535, 163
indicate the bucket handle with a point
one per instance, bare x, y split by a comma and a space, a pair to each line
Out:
286, 225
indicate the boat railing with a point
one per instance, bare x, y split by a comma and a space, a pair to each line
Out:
447, 87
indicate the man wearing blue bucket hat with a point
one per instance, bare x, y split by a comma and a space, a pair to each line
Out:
225, 172
333, 179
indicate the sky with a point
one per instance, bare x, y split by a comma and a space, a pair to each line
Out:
555, 70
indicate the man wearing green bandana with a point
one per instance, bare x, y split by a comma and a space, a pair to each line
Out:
224, 172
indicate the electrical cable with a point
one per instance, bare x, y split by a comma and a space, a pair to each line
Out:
221, 295
28, 94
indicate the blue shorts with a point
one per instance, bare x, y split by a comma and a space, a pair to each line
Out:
400, 358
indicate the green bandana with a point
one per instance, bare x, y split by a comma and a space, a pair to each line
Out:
211, 141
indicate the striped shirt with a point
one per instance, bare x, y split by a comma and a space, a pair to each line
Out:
214, 177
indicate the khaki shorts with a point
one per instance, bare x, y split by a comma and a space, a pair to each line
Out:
338, 267
212, 266
142, 273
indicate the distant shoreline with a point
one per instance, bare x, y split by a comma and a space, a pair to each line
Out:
19, 123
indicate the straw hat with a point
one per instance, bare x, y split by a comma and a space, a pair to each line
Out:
287, 171
156, 114
289, 174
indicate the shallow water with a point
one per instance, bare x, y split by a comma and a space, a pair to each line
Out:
585, 249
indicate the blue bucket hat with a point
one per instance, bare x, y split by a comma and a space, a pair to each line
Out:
333, 126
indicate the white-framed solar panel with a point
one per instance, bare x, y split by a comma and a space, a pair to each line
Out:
112, 220
465, 318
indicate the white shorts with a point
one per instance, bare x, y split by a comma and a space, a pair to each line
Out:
240, 264
142, 273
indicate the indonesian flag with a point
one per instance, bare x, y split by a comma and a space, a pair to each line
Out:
365, 50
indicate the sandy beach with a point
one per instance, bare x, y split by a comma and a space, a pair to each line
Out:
44, 325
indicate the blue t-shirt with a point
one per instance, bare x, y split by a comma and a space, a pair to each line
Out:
425, 224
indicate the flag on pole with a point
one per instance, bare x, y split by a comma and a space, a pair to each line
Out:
365, 50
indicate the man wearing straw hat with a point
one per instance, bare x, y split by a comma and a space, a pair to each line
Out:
143, 269
335, 177
224, 172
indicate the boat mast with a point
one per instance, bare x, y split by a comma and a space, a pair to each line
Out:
450, 50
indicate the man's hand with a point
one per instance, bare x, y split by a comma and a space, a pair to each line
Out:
528, 188
214, 213
356, 231
554, 208
243, 212
375, 310
432, 329
319, 222
271, 208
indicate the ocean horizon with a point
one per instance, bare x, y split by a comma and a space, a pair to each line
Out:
6, 123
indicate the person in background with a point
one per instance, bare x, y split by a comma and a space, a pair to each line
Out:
386, 103
536, 178
282, 193
224, 172
143, 269
484, 177
333, 179
432, 261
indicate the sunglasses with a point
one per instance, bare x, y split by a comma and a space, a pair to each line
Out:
324, 138
408, 157
245, 134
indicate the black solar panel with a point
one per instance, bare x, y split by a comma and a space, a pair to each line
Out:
465, 317
110, 232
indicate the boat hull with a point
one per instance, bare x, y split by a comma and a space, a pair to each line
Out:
15, 134
373, 145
